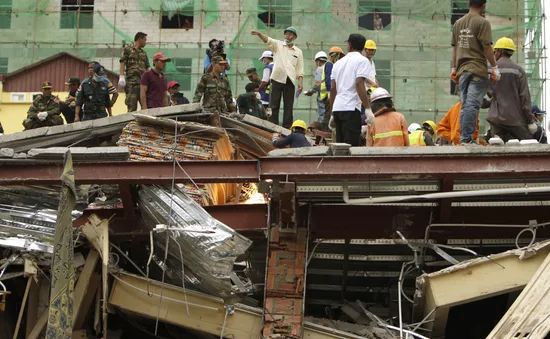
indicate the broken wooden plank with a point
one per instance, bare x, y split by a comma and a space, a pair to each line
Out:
86, 286
474, 280
206, 313
529, 315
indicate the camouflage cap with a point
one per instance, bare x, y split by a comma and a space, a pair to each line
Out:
218, 60
251, 71
47, 85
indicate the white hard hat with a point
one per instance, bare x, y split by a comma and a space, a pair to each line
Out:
266, 54
379, 93
413, 127
321, 55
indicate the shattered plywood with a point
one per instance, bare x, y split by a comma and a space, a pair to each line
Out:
529, 315
474, 280
137, 295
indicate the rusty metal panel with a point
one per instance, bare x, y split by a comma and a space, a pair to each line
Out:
216, 171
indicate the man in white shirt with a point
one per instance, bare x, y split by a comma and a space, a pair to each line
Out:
288, 69
348, 92
370, 51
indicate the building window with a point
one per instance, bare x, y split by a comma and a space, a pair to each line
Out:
5, 14
383, 74
3, 65
459, 9
275, 13
18, 97
181, 74
77, 14
177, 14
374, 15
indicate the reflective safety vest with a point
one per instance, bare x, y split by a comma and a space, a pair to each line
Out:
416, 138
324, 93
264, 93
388, 134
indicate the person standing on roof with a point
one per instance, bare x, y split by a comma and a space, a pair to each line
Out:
471, 40
133, 63
390, 127
296, 139
214, 89
448, 128
321, 59
510, 112
265, 84
153, 85
92, 99
540, 134
288, 73
112, 89
44, 110
348, 91
424, 136
216, 48
370, 51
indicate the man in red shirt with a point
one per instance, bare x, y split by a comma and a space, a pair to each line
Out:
153, 84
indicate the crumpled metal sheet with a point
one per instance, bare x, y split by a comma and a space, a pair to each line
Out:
28, 216
209, 248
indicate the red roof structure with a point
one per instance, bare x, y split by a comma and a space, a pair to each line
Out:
57, 69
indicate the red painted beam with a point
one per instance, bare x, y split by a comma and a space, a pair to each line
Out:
128, 172
426, 166
241, 217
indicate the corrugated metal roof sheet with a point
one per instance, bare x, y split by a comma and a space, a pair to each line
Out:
56, 69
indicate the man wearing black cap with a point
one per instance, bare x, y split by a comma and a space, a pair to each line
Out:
44, 110
68, 107
348, 92
94, 96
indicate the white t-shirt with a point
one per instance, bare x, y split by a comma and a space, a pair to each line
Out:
372, 71
345, 71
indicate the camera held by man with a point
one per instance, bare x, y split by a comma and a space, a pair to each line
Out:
216, 48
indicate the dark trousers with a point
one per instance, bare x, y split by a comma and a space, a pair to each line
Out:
68, 112
348, 127
287, 92
510, 132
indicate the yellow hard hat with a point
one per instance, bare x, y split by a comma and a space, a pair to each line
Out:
335, 49
299, 123
505, 43
370, 44
429, 123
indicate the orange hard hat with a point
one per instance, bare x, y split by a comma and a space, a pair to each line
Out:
335, 49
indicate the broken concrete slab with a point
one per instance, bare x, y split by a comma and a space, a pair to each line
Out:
6, 153
265, 125
81, 153
474, 280
300, 151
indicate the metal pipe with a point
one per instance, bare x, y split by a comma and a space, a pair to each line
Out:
441, 195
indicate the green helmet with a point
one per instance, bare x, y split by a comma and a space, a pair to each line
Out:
292, 30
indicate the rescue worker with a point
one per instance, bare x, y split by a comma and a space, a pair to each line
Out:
370, 51
510, 112
413, 127
250, 103
175, 96
471, 40
44, 110
93, 98
68, 107
153, 84
390, 127
424, 136
335, 53
214, 90
133, 63
252, 75
288, 74
112, 89
540, 134
321, 59
448, 128
296, 139
265, 84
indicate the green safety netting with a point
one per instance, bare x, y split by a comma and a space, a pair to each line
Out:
413, 38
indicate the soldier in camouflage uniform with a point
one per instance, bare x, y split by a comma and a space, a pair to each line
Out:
94, 96
44, 110
214, 89
133, 63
